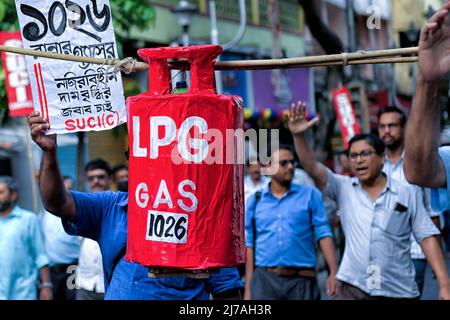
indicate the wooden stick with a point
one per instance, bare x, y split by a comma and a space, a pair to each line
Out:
230, 65
360, 57
314, 60
68, 57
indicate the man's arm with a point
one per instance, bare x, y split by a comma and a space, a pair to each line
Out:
298, 125
329, 252
437, 223
249, 268
45, 286
432, 250
55, 197
423, 165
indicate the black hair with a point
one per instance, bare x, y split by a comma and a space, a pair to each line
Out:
394, 109
252, 160
283, 146
118, 168
98, 164
371, 139
67, 178
10, 183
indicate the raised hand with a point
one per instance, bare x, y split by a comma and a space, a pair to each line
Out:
38, 126
434, 46
298, 123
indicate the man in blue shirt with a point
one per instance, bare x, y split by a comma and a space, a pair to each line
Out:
22, 254
102, 217
281, 224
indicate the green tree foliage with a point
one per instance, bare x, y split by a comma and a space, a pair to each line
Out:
126, 14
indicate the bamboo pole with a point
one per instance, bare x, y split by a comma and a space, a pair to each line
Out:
360, 57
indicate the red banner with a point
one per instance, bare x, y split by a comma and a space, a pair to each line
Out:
186, 179
20, 101
346, 115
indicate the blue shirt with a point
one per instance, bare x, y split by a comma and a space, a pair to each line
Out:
103, 217
286, 227
377, 257
21, 255
59, 246
440, 198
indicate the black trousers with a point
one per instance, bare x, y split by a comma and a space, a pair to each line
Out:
59, 278
267, 286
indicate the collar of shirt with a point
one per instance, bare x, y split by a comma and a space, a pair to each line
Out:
292, 189
16, 211
399, 161
389, 185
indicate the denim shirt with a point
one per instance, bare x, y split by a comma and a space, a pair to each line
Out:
103, 217
287, 228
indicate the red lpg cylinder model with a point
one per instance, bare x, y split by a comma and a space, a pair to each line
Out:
186, 208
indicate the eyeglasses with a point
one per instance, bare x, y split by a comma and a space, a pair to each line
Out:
98, 176
365, 155
284, 163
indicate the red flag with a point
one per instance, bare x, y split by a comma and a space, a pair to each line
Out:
346, 115
18, 90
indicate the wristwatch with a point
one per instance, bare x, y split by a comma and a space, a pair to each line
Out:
45, 284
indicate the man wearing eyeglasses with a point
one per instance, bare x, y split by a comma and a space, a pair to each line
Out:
391, 128
378, 216
282, 224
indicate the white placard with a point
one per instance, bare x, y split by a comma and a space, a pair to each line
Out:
73, 96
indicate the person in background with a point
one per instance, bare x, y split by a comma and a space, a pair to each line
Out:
283, 223
253, 181
22, 254
62, 251
119, 177
391, 128
89, 277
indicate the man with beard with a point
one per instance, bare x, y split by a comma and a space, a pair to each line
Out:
378, 216
282, 223
391, 128
22, 253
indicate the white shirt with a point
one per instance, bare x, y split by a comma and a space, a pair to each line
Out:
89, 275
250, 187
396, 171
59, 246
301, 177
377, 256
